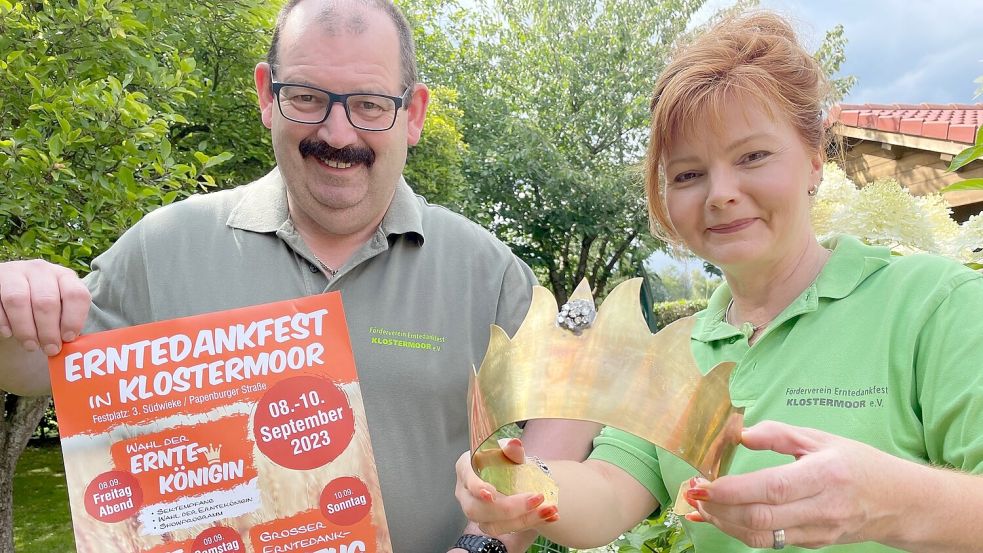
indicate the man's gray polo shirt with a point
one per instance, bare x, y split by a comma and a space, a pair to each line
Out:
426, 271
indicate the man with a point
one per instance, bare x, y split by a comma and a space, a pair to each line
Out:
334, 215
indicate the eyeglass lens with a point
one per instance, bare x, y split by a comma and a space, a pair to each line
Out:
308, 105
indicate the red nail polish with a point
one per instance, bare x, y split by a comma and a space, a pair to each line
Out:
691, 502
695, 517
535, 501
698, 494
547, 512
486, 495
553, 518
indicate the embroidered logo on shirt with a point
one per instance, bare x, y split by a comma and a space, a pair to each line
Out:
403, 339
835, 397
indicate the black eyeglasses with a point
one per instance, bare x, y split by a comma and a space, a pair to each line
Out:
311, 105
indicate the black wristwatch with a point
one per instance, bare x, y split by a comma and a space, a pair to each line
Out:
480, 544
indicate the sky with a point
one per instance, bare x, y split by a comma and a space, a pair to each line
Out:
901, 51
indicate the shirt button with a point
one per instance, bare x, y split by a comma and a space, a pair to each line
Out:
312, 267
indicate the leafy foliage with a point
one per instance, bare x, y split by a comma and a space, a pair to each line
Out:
831, 55
90, 92
555, 116
661, 534
554, 98
964, 158
48, 425
93, 94
669, 311
227, 38
677, 282
435, 166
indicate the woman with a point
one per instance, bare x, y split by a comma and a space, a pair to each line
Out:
861, 374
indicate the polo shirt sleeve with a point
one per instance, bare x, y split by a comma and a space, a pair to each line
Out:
119, 285
949, 374
636, 456
515, 295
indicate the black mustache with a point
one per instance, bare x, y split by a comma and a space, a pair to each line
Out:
348, 154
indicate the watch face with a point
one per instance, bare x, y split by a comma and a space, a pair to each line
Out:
480, 544
493, 546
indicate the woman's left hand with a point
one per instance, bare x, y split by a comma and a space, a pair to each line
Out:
837, 491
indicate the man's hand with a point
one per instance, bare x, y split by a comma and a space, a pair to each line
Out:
42, 305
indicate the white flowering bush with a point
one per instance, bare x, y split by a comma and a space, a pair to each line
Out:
830, 205
886, 214
968, 245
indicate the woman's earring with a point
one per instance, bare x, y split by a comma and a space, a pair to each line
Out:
812, 191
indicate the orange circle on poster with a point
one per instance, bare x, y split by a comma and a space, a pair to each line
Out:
304, 422
345, 501
113, 496
218, 539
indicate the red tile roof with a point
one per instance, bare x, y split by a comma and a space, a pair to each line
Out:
953, 122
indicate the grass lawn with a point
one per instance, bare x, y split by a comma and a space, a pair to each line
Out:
42, 520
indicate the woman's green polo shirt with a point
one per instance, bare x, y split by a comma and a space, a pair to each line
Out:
881, 349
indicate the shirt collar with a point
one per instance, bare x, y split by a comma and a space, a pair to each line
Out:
850, 264
405, 214
263, 208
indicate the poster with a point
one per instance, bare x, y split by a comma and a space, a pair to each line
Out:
240, 430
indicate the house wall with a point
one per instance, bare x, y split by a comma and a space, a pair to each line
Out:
923, 172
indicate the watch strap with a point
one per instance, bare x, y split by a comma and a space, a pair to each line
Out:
474, 543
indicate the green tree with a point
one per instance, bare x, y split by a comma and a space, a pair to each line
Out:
686, 283
555, 100
675, 284
555, 96
92, 98
435, 166
831, 55
441, 29
226, 39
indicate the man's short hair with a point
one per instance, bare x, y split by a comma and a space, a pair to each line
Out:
407, 48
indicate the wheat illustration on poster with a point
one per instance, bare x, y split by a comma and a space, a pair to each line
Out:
240, 430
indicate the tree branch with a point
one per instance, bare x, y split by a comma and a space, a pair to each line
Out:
602, 281
585, 244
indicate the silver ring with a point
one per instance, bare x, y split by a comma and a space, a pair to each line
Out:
779, 539
539, 463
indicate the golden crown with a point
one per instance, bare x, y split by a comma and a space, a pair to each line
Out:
569, 364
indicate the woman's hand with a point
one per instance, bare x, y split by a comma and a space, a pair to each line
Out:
837, 491
496, 513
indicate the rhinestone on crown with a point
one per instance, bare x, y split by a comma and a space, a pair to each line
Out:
576, 315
